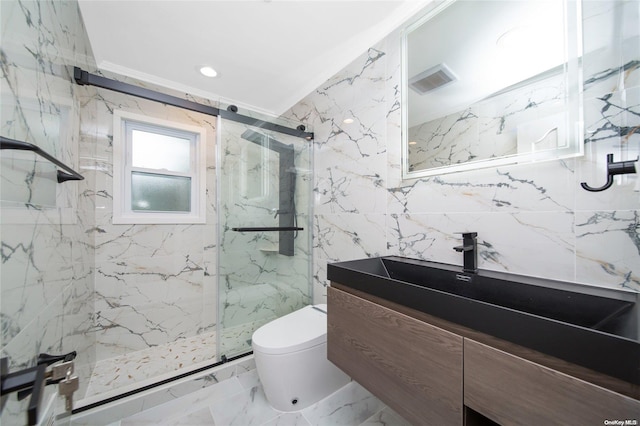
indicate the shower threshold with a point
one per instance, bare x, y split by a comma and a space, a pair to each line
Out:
135, 372
112, 410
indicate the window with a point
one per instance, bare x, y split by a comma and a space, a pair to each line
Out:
159, 171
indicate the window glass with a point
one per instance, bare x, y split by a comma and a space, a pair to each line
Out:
161, 193
162, 152
159, 171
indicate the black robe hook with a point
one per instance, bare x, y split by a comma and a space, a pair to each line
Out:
618, 168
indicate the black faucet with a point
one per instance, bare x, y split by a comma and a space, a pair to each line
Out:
469, 248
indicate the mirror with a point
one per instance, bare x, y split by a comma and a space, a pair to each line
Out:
491, 83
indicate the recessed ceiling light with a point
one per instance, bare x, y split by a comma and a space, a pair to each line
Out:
207, 71
413, 143
347, 120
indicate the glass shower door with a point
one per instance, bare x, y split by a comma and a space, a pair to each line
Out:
265, 231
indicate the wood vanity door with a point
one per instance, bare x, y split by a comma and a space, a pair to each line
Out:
514, 391
412, 366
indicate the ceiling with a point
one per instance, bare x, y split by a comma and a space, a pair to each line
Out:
268, 54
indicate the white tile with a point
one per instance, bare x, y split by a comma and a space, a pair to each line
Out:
249, 379
244, 365
199, 418
350, 405
386, 417
288, 419
346, 236
247, 408
108, 414
186, 405
528, 243
607, 249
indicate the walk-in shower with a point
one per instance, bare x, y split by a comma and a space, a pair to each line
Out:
140, 303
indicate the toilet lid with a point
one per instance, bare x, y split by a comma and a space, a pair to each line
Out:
301, 329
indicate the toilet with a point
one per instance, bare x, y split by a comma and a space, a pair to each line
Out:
291, 359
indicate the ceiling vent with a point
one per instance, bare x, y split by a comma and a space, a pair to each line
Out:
431, 79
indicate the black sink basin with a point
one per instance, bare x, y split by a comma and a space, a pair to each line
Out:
589, 326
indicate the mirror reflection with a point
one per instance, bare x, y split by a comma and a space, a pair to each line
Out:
489, 83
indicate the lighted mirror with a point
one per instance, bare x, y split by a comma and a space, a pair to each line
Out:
489, 83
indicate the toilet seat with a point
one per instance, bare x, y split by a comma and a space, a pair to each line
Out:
299, 330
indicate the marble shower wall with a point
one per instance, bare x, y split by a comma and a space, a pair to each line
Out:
531, 219
154, 284
47, 249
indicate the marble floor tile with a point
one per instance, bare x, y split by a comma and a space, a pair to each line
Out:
109, 415
386, 417
249, 379
186, 406
247, 408
200, 417
288, 419
350, 405
240, 401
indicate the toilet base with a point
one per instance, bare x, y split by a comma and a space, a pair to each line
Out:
295, 381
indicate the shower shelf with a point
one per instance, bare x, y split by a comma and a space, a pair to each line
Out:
268, 228
6, 143
269, 249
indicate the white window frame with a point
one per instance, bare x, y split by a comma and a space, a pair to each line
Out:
122, 169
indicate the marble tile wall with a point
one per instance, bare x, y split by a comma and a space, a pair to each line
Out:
531, 219
47, 254
154, 284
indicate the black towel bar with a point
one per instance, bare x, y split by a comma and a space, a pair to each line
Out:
6, 143
268, 228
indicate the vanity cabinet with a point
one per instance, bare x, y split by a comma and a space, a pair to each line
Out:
413, 367
514, 391
433, 372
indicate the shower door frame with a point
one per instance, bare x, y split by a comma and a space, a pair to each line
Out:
84, 78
